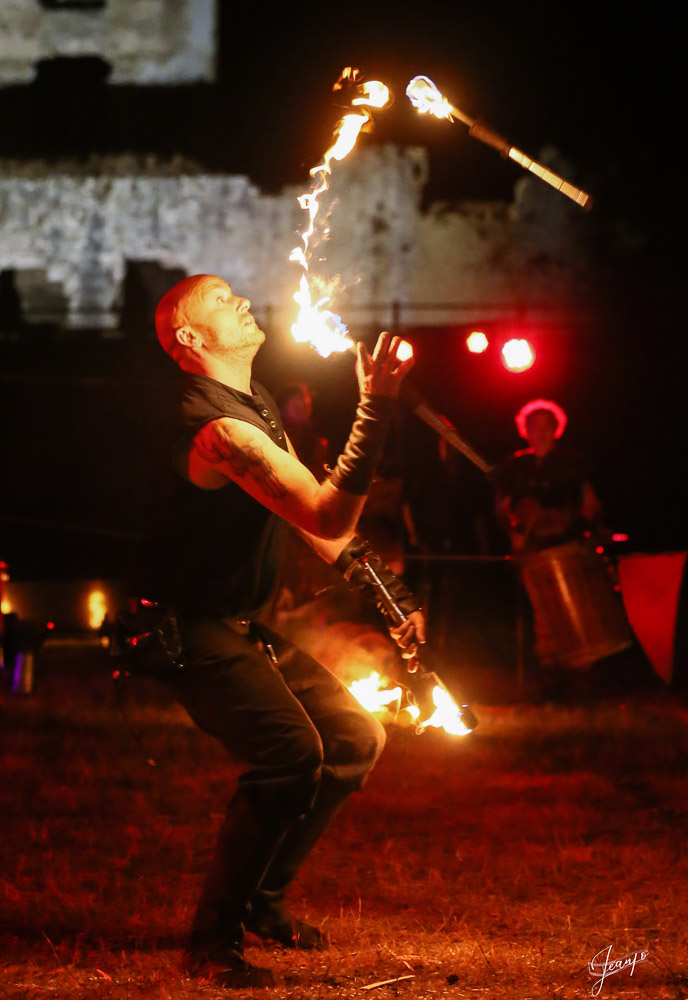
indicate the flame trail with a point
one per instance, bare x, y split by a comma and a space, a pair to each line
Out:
316, 323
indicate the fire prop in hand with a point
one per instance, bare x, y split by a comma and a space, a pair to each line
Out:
425, 690
316, 324
425, 96
371, 692
427, 702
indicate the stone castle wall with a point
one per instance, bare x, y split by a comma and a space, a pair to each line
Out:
144, 41
71, 237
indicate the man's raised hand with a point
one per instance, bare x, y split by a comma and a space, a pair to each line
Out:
383, 372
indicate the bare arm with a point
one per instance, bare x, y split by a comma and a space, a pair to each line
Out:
228, 448
407, 635
327, 548
245, 454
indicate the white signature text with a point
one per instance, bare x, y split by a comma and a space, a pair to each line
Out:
599, 968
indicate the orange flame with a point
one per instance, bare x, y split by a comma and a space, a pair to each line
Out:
370, 693
425, 96
446, 716
404, 351
377, 698
315, 323
97, 608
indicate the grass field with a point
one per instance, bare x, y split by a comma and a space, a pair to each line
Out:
491, 866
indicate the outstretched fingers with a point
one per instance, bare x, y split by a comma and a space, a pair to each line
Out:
386, 354
365, 362
384, 371
382, 347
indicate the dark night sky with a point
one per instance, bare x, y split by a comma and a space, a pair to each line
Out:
591, 79
596, 82
588, 78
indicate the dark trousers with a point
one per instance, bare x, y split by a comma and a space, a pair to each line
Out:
307, 743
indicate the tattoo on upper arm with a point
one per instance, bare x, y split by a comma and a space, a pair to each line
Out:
244, 460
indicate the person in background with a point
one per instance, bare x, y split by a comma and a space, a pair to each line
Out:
544, 496
296, 407
303, 574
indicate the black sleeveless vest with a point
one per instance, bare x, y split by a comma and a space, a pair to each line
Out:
215, 552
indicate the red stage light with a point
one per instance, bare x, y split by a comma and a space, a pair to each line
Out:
50, 625
517, 355
476, 342
619, 536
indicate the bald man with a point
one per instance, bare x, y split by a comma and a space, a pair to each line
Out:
214, 557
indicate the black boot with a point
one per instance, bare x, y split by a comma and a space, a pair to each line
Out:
245, 847
227, 969
269, 915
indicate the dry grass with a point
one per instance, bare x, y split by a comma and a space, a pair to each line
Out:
494, 866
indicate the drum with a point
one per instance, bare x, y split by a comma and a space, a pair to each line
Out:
575, 603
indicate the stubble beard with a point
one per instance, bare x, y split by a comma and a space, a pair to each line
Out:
245, 339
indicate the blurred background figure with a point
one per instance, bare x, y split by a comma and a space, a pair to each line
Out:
303, 574
544, 495
387, 521
296, 407
547, 504
4, 578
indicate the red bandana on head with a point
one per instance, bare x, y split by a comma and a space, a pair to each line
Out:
540, 404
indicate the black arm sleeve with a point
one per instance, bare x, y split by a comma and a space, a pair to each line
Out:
381, 587
357, 463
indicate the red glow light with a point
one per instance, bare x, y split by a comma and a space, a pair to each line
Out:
518, 355
50, 625
476, 342
404, 351
619, 536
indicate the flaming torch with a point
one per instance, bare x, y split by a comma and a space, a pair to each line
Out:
425, 96
316, 324
427, 692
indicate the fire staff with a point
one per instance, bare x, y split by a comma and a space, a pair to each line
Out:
214, 557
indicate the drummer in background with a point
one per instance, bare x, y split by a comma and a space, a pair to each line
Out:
543, 493
544, 496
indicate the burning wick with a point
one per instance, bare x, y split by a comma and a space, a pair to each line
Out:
315, 323
425, 96
404, 351
376, 698
370, 693
446, 716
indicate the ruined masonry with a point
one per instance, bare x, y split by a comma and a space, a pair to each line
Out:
144, 41
68, 238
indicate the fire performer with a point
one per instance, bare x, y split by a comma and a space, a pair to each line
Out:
214, 558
